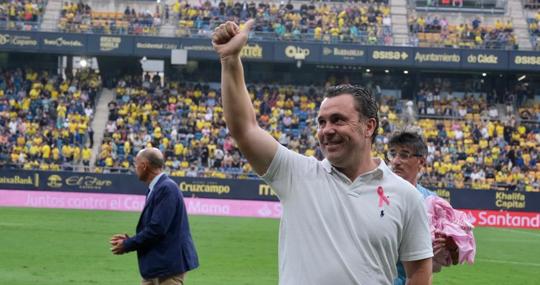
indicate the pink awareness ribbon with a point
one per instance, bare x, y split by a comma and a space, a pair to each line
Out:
382, 198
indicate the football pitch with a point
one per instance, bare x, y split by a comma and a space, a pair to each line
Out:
52, 246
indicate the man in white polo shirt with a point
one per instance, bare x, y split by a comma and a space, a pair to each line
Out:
346, 219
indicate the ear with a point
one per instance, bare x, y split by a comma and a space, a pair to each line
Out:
422, 161
370, 127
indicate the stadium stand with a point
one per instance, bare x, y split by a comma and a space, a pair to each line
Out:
21, 15
533, 21
359, 22
469, 146
445, 31
44, 120
79, 17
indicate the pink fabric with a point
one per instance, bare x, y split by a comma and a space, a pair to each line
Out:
453, 223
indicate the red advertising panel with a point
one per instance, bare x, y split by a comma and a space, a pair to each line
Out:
505, 219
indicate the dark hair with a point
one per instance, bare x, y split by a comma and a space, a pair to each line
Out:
411, 140
365, 102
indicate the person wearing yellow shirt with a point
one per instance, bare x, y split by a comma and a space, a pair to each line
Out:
56, 153
76, 152
67, 152
125, 164
44, 166
109, 162
178, 149
46, 152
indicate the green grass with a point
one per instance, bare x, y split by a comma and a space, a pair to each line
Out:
46, 246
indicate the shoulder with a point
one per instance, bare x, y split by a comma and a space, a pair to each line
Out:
424, 191
400, 187
167, 183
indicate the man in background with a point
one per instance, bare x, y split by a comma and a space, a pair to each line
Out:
163, 242
407, 153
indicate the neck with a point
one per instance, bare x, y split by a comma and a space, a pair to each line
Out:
151, 177
359, 168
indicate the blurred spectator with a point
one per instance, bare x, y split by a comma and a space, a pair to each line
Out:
80, 18
21, 14
362, 22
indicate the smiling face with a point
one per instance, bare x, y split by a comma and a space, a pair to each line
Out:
344, 135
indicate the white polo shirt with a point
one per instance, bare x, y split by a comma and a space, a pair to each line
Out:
334, 231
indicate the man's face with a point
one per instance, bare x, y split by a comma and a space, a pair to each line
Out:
405, 162
341, 133
141, 167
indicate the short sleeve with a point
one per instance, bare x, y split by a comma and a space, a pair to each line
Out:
284, 168
416, 239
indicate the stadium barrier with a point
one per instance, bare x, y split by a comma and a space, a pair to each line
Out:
227, 197
280, 51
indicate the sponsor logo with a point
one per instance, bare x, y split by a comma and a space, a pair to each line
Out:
109, 43
505, 219
483, 58
390, 55
61, 42
15, 40
54, 181
297, 52
87, 182
266, 190
205, 188
527, 60
18, 180
252, 51
436, 57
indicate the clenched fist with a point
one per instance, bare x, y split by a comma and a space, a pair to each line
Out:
228, 39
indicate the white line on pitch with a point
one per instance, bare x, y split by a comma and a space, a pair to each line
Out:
508, 262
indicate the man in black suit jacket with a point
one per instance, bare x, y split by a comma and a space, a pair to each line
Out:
163, 242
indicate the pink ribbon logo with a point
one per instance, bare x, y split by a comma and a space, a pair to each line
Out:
382, 198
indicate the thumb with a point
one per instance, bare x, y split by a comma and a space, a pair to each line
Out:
247, 26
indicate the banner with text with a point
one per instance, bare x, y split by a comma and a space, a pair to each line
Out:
235, 189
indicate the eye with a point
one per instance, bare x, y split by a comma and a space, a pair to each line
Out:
338, 121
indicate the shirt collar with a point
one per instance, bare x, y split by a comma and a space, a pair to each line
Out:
376, 173
154, 181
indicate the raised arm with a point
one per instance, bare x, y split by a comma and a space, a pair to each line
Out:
256, 144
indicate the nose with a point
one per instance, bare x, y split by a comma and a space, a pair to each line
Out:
327, 130
395, 160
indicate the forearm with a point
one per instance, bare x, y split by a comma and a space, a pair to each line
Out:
418, 272
421, 278
237, 106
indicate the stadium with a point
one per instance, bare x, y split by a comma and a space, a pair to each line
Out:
84, 86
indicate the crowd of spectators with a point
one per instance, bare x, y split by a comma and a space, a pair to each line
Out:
21, 14
78, 17
45, 120
362, 22
439, 31
534, 30
186, 122
45, 124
